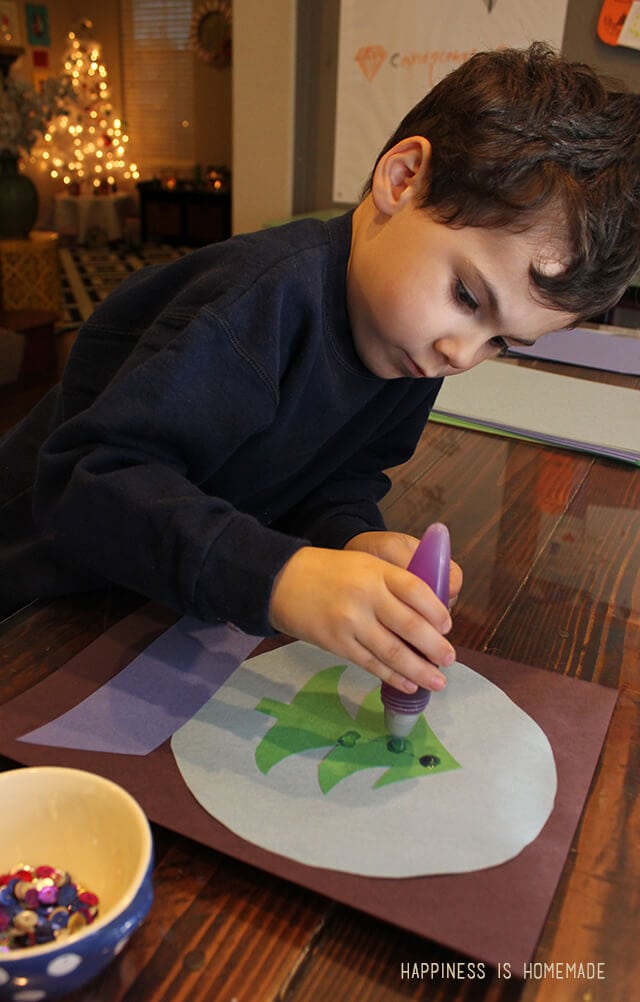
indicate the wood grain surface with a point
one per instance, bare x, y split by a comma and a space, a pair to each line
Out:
550, 546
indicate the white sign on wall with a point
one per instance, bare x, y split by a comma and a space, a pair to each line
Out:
391, 54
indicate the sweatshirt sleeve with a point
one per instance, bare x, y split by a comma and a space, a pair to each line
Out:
117, 491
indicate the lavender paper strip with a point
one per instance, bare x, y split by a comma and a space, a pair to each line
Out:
591, 349
162, 688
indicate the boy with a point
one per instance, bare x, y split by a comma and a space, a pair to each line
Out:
218, 438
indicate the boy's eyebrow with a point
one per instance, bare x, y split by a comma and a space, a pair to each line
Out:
494, 304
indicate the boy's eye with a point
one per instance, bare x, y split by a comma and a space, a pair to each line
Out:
464, 297
500, 344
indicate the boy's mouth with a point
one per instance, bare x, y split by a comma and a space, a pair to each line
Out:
413, 368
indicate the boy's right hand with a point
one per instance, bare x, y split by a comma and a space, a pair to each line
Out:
367, 610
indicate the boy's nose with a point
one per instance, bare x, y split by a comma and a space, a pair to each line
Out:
463, 351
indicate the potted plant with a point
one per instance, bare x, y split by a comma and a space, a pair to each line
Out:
25, 114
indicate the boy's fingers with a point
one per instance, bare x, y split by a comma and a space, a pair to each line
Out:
416, 607
417, 632
387, 656
456, 578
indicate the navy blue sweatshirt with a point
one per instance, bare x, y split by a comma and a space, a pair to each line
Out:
213, 418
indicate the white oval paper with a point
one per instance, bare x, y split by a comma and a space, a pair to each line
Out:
477, 816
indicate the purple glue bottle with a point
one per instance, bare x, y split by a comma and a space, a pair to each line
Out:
431, 562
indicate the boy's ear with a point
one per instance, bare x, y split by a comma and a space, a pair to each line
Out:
401, 173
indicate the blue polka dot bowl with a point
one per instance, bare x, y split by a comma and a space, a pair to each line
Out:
94, 831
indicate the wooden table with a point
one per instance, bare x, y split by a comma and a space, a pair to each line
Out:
550, 545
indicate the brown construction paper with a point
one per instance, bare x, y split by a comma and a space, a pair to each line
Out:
494, 915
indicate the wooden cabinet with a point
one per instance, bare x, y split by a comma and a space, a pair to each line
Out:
191, 216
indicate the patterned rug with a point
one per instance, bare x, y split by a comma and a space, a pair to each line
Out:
89, 274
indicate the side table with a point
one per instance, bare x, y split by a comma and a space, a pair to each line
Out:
30, 273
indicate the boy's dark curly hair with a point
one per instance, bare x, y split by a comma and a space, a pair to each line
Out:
520, 135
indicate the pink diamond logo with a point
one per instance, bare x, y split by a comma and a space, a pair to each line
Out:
370, 58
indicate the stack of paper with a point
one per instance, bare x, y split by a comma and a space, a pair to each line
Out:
508, 399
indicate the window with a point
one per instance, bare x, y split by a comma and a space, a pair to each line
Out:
157, 69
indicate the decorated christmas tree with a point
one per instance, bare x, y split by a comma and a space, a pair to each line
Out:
87, 149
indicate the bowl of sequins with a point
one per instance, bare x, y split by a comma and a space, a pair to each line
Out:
76, 857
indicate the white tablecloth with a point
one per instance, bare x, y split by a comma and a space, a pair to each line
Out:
81, 213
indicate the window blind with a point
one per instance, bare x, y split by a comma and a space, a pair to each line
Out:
158, 69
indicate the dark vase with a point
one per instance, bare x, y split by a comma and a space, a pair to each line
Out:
18, 199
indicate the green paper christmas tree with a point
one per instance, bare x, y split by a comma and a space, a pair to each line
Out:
317, 718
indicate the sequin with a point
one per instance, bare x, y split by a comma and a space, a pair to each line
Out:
21, 889
45, 872
41, 904
67, 893
59, 917
23, 872
88, 898
77, 922
25, 921
47, 895
30, 899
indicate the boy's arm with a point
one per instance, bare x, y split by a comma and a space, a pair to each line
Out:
362, 603
117, 498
